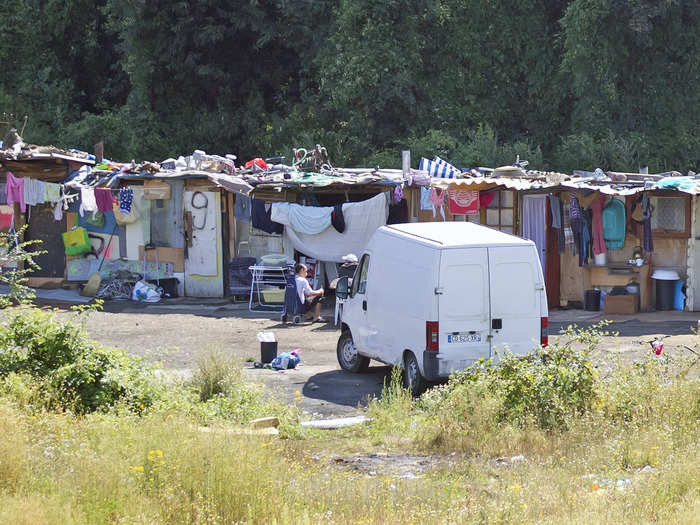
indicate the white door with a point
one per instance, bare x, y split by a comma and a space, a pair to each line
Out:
463, 307
517, 290
534, 223
203, 274
355, 310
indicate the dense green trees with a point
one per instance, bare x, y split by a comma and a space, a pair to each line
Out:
566, 84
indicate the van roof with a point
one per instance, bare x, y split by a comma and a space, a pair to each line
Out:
455, 234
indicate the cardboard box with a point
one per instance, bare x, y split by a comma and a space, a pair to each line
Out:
171, 255
622, 304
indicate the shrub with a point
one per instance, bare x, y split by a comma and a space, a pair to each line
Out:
80, 374
213, 374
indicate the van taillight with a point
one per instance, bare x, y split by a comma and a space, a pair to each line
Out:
544, 332
432, 336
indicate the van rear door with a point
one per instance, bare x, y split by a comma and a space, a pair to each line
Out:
463, 308
517, 295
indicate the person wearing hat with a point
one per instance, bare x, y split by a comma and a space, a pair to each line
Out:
309, 297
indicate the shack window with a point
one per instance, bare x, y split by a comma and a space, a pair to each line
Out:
670, 216
501, 212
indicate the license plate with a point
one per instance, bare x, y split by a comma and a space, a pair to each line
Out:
464, 338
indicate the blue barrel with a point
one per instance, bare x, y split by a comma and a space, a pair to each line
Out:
678, 295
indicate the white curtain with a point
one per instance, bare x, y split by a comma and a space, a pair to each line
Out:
534, 221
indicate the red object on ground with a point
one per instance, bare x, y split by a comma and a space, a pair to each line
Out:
260, 163
658, 347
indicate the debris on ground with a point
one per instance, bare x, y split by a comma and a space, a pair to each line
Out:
331, 424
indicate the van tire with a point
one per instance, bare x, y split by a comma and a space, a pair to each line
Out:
348, 358
412, 378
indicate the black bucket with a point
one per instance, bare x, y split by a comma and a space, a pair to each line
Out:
665, 291
268, 351
592, 301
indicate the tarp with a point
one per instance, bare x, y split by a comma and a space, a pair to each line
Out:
362, 219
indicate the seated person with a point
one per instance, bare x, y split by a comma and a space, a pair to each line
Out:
347, 269
310, 298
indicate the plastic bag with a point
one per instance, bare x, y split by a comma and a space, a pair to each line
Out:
145, 292
286, 360
76, 241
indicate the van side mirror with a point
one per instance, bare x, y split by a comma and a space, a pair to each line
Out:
341, 288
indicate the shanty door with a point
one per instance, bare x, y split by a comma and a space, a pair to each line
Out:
203, 265
43, 227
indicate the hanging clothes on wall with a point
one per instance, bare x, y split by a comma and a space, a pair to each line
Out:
437, 199
126, 197
337, 218
104, 200
534, 221
463, 202
361, 220
87, 201
34, 191
556, 209
3, 193
241, 209
597, 206
425, 203
15, 191
303, 219
260, 217
52, 192
646, 216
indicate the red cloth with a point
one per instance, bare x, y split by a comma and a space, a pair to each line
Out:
463, 202
5, 221
260, 163
104, 200
598, 240
485, 198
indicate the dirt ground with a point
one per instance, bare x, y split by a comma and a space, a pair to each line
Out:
176, 335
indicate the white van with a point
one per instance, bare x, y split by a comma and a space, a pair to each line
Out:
435, 297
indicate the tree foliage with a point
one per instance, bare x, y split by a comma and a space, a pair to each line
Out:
566, 83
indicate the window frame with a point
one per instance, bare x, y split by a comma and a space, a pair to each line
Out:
673, 234
515, 226
357, 279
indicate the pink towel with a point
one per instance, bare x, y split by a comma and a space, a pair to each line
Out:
104, 200
15, 191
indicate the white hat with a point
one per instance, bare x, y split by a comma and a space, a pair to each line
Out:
350, 258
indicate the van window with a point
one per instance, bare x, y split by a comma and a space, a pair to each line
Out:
359, 284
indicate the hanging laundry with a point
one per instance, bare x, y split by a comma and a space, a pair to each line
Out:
463, 202
260, 217
34, 191
337, 218
58, 212
398, 194
241, 209
3, 193
52, 192
87, 201
438, 200
15, 191
126, 197
309, 219
597, 206
613, 224
554, 204
646, 215
6, 220
486, 198
104, 200
574, 207
425, 203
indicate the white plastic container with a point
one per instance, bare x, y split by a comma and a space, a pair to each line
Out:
600, 259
